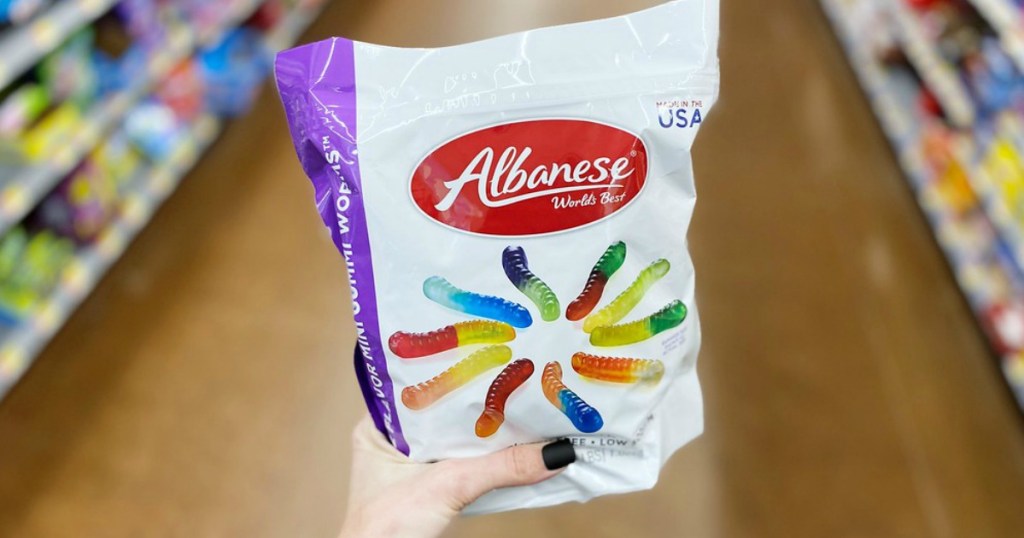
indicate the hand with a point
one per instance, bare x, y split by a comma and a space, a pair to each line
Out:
393, 496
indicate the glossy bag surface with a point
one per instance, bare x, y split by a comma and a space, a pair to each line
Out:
523, 199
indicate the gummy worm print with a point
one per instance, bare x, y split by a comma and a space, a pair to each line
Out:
445, 294
629, 298
423, 394
584, 417
517, 269
412, 345
606, 266
618, 369
510, 378
672, 315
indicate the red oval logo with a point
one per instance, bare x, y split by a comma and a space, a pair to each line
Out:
531, 177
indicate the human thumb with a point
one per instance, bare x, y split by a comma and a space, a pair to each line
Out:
465, 480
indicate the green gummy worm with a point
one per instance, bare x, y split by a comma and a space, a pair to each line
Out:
629, 298
630, 333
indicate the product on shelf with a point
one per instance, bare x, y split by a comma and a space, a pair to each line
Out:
86, 201
142, 21
20, 11
269, 14
32, 266
993, 79
233, 71
117, 159
1005, 326
44, 113
120, 56
21, 107
49, 134
183, 91
1005, 169
68, 73
950, 177
203, 13
154, 128
82, 204
12, 244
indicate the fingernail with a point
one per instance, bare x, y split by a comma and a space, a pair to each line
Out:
558, 454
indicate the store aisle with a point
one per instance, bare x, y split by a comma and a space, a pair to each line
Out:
205, 389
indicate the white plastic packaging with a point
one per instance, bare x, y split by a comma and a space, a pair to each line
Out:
563, 144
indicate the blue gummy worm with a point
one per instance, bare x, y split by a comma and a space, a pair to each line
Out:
516, 266
517, 269
580, 413
444, 293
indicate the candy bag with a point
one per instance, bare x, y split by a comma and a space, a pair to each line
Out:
512, 215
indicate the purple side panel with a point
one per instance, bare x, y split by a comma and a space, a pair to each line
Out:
367, 389
317, 85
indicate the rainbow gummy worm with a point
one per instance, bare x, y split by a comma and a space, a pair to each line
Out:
629, 298
464, 333
585, 418
510, 378
517, 268
423, 394
444, 293
618, 369
629, 333
606, 265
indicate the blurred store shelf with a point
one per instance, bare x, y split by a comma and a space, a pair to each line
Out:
1006, 18
23, 188
938, 74
91, 262
983, 242
22, 46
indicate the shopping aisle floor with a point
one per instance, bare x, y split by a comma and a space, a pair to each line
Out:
205, 390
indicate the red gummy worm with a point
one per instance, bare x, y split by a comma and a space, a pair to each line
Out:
511, 378
411, 345
588, 298
618, 369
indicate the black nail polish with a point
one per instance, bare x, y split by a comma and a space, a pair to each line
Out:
558, 454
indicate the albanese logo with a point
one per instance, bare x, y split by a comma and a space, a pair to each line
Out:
531, 177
